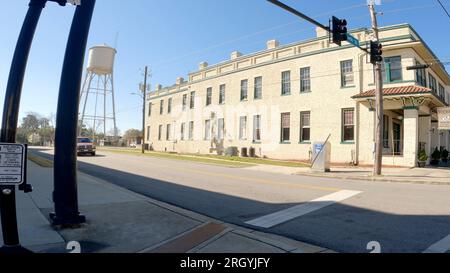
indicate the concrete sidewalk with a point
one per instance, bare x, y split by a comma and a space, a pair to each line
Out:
436, 176
121, 221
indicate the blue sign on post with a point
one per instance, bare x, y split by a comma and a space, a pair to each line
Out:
352, 40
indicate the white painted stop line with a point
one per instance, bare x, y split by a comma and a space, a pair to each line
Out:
440, 247
280, 217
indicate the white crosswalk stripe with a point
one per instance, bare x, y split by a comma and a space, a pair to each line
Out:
440, 247
283, 216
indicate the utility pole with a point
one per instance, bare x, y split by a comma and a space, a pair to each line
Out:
144, 98
379, 111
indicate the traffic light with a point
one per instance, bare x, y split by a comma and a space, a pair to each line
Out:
339, 30
376, 52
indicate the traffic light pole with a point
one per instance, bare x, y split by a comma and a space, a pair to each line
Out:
10, 119
379, 111
65, 194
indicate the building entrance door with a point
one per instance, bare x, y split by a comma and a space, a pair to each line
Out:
397, 134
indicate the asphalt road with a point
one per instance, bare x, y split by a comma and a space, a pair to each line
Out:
405, 218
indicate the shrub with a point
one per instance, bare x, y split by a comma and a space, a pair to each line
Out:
423, 156
444, 154
436, 155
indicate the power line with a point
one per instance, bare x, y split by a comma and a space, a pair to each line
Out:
443, 7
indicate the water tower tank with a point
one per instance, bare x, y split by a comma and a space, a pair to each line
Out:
101, 59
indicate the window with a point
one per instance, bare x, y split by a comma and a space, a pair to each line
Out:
305, 79
305, 126
222, 94
208, 96
244, 90
221, 129
421, 76
168, 132
150, 109
191, 130
257, 128
348, 125
183, 128
243, 128
441, 92
169, 106
160, 132
285, 127
184, 102
207, 129
347, 77
386, 131
286, 83
258, 88
392, 70
161, 107
148, 133
192, 102
433, 85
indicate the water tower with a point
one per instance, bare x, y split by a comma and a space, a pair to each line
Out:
97, 104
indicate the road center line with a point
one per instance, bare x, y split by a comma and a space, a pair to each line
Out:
440, 247
283, 216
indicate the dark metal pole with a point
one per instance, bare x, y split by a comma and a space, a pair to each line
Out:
298, 13
10, 119
65, 194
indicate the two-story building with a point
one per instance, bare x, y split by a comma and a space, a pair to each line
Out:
281, 100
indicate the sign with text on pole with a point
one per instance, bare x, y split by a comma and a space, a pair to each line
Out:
444, 118
352, 40
12, 164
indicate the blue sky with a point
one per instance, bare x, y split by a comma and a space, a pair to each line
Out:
173, 36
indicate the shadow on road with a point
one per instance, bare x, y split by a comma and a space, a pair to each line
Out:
339, 227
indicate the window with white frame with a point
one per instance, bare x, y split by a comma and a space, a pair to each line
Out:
305, 79
305, 126
160, 128
220, 128
169, 106
347, 76
207, 129
244, 90
285, 127
191, 130
168, 131
182, 132
150, 109
148, 133
192, 102
222, 94
209, 96
258, 88
243, 128
257, 128
161, 107
286, 83
348, 125
184, 102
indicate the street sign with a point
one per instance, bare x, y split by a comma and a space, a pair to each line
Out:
444, 118
12, 164
352, 40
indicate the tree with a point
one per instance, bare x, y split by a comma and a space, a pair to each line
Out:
132, 134
31, 123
